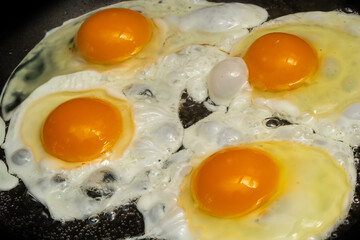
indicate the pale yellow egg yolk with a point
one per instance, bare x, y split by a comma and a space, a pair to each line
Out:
113, 35
235, 181
81, 129
280, 61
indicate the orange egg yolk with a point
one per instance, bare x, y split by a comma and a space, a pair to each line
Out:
234, 182
280, 61
81, 129
113, 35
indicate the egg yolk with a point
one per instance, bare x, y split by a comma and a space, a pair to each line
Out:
235, 181
113, 35
81, 129
280, 61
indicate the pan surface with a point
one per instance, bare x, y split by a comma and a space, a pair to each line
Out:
21, 216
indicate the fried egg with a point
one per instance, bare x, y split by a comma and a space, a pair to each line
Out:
82, 147
265, 190
219, 140
300, 58
113, 35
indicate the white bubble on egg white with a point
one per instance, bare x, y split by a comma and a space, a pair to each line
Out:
226, 79
219, 133
163, 137
22, 156
168, 132
223, 17
220, 25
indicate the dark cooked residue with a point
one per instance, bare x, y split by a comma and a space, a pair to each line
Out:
191, 111
138, 91
100, 185
275, 122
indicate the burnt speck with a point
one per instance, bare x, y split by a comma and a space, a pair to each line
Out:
191, 111
275, 122
100, 184
99, 194
139, 91
58, 178
71, 41
147, 93
109, 177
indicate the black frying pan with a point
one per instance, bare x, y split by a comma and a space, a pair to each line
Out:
21, 216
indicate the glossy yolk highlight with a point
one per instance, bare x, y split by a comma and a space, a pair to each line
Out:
280, 61
235, 181
113, 35
81, 129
